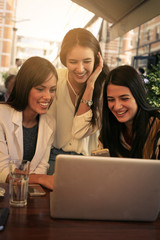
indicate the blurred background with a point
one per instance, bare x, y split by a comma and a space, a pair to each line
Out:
128, 30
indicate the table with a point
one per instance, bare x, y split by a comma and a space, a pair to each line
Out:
34, 222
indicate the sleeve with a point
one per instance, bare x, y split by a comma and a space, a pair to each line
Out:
157, 150
156, 147
100, 144
43, 165
4, 157
82, 126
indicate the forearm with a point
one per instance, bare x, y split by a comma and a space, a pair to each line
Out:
88, 94
42, 179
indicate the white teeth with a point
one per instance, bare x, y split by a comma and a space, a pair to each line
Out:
80, 75
120, 113
44, 104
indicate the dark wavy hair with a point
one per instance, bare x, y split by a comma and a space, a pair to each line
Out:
111, 129
33, 72
84, 38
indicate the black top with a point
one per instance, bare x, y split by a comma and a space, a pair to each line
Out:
29, 142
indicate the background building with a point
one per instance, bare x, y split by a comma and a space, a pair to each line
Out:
138, 47
7, 32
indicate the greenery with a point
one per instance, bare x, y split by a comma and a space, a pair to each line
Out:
153, 86
4, 75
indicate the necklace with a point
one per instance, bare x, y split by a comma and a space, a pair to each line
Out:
76, 95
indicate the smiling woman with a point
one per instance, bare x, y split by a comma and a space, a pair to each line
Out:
78, 93
26, 131
130, 126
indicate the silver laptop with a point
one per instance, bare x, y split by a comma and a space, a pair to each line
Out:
105, 188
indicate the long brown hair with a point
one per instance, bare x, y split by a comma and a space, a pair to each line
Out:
84, 38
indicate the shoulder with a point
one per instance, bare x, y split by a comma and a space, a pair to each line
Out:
156, 118
5, 108
9, 114
154, 123
6, 114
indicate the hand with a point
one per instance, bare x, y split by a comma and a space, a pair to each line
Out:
88, 93
97, 71
42, 179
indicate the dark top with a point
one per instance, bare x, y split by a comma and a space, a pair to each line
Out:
29, 142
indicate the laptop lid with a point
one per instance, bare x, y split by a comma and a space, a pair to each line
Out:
105, 188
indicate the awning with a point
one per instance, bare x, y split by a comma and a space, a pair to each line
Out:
123, 15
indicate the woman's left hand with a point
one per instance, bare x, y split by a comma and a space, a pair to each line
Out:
91, 80
88, 93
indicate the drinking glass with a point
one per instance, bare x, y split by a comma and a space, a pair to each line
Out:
18, 182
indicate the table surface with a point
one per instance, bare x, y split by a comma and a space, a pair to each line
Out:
34, 222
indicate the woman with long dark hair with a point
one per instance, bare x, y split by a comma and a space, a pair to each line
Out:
130, 126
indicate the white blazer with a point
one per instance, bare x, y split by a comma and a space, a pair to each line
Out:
11, 141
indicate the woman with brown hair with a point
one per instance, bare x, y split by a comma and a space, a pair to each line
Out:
77, 106
26, 131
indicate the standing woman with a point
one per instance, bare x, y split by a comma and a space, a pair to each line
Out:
130, 126
78, 96
26, 131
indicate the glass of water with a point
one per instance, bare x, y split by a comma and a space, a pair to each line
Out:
18, 182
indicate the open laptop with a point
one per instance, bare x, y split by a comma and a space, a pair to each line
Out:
105, 188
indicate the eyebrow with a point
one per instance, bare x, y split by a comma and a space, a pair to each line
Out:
72, 59
41, 85
87, 58
123, 95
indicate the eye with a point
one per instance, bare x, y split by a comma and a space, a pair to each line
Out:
72, 62
87, 61
125, 98
52, 90
110, 99
40, 89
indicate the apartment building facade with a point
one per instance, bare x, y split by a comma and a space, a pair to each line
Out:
7, 33
138, 47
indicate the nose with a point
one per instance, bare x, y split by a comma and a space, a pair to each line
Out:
79, 67
47, 95
117, 105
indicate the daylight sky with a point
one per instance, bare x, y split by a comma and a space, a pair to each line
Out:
49, 19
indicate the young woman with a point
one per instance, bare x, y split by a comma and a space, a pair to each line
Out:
130, 126
26, 131
78, 97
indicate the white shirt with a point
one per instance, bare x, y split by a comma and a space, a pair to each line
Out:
73, 133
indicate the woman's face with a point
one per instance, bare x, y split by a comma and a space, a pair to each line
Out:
80, 63
121, 103
41, 96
